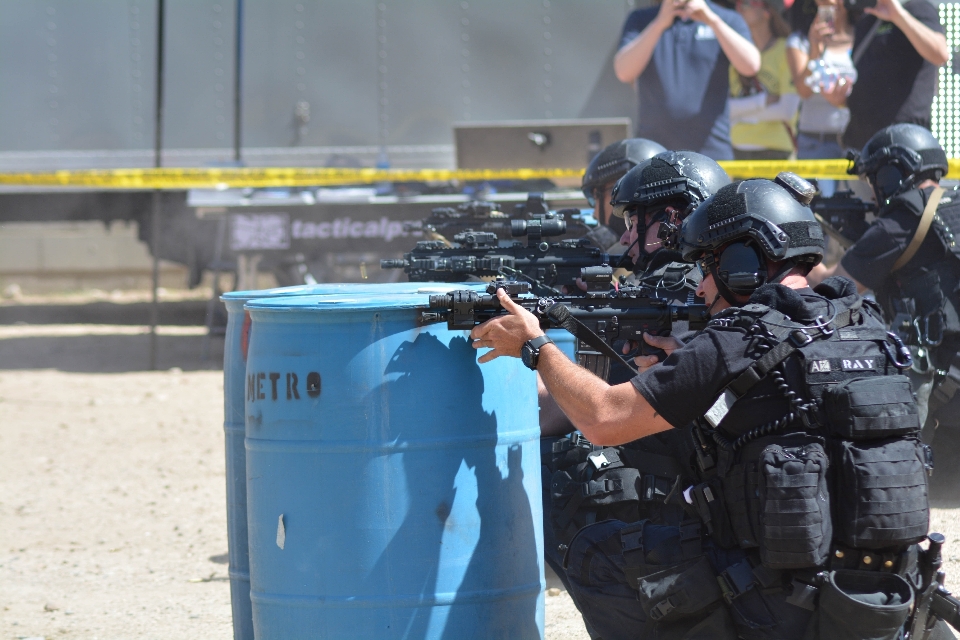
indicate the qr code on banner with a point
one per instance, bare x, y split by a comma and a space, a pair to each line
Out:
259, 231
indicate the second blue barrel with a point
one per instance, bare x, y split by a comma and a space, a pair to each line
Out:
234, 368
393, 482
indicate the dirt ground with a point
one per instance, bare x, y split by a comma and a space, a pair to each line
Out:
112, 507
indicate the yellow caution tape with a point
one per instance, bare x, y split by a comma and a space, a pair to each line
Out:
225, 178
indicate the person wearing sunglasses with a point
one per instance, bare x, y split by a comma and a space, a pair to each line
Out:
602, 173
758, 526
679, 180
575, 491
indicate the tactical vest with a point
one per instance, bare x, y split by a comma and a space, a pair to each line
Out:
843, 474
629, 482
916, 304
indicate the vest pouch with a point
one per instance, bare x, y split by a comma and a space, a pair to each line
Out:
709, 503
740, 498
795, 524
871, 407
862, 605
679, 591
881, 499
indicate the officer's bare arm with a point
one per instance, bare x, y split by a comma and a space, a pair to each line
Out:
607, 415
633, 57
743, 55
930, 44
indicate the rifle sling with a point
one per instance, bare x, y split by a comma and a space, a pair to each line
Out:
561, 317
585, 334
922, 229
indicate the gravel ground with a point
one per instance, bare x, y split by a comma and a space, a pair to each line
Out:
112, 508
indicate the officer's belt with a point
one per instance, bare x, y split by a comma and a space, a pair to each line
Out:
652, 463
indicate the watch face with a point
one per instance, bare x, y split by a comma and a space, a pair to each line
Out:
527, 356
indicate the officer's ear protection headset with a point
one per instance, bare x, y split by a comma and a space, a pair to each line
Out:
890, 170
739, 271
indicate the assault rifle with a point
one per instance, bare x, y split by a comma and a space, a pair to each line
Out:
843, 216
598, 320
479, 215
544, 265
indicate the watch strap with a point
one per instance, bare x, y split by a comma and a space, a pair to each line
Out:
539, 341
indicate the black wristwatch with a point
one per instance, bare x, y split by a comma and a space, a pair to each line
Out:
530, 351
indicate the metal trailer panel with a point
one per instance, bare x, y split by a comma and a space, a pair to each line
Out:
325, 81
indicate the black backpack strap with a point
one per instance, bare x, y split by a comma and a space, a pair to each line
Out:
792, 338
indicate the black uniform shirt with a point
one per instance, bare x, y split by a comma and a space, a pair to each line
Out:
686, 384
870, 261
894, 83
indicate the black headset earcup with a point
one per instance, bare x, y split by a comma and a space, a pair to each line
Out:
887, 181
741, 268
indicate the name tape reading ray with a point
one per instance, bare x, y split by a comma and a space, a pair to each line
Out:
225, 178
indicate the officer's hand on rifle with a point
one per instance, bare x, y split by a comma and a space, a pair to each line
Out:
505, 335
669, 344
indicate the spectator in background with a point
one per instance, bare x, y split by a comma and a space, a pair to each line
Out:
678, 55
824, 37
897, 49
763, 108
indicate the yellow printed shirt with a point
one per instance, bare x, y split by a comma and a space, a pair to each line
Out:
754, 125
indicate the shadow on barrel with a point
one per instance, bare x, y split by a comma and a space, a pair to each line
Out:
468, 516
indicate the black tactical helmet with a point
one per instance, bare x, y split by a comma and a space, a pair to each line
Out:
746, 225
614, 161
683, 176
898, 158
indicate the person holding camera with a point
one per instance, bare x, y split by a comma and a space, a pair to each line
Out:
819, 56
678, 54
897, 49
763, 108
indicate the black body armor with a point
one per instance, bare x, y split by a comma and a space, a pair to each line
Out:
916, 300
844, 468
629, 482
922, 301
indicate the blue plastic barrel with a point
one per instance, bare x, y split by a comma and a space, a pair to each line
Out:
392, 482
234, 367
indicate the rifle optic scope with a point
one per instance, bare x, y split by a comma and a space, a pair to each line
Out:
540, 226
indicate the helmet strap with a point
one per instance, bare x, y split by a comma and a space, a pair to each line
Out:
782, 272
716, 299
723, 289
